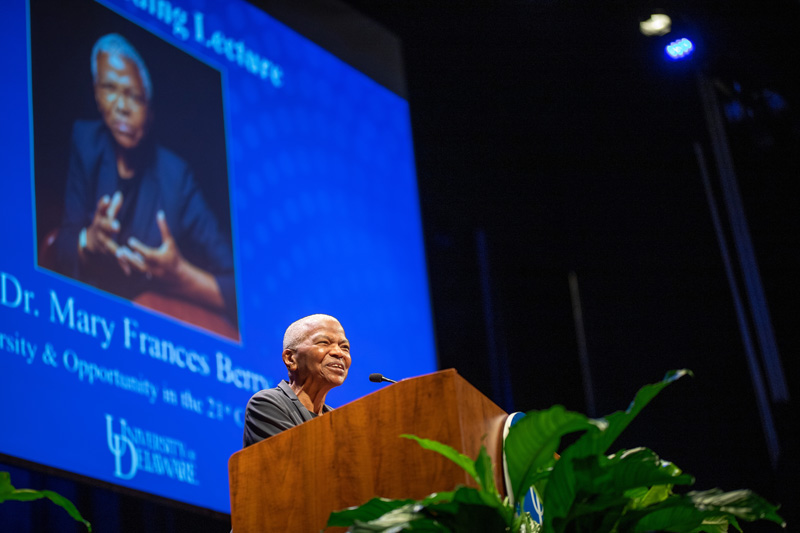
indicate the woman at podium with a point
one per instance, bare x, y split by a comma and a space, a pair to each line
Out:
316, 353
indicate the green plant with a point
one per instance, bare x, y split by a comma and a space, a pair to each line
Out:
584, 490
9, 492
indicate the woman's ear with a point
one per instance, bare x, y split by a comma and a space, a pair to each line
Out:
288, 359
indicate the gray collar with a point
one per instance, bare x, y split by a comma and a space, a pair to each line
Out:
304, 413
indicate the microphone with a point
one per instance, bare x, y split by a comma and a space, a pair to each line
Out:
377, 378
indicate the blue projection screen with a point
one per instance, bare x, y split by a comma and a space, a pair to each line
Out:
272, 168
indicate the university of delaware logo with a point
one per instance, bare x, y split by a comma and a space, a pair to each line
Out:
121, 446
137, 450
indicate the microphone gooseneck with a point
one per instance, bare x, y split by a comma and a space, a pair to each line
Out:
377, 378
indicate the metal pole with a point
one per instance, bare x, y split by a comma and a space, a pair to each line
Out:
741, 239
583, 352
764, 409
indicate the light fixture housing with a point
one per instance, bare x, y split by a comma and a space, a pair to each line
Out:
658, 24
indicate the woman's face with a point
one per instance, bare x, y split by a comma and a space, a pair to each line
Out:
323, 356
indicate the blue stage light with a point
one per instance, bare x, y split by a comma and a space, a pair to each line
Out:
679, 49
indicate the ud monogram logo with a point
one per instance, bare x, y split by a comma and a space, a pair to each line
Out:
140, 450
120, 445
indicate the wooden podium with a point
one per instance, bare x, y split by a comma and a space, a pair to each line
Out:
291, 482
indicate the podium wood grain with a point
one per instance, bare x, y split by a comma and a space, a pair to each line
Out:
292, 481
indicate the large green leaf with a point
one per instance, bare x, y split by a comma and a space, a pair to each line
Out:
470, 511
716, 525
451, 453
371, 510
626, 470
8, 492
641, 497
744, 504
559, 495
562, 486
531, 443
586, 519
595, 491
482, 471
704, 511
462, 495
465, 509
485, 473
594, 443
405, 518
679, 515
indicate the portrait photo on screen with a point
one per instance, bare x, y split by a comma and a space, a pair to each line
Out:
130, 167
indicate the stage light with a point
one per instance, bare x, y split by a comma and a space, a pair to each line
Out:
679, 49
658, 24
